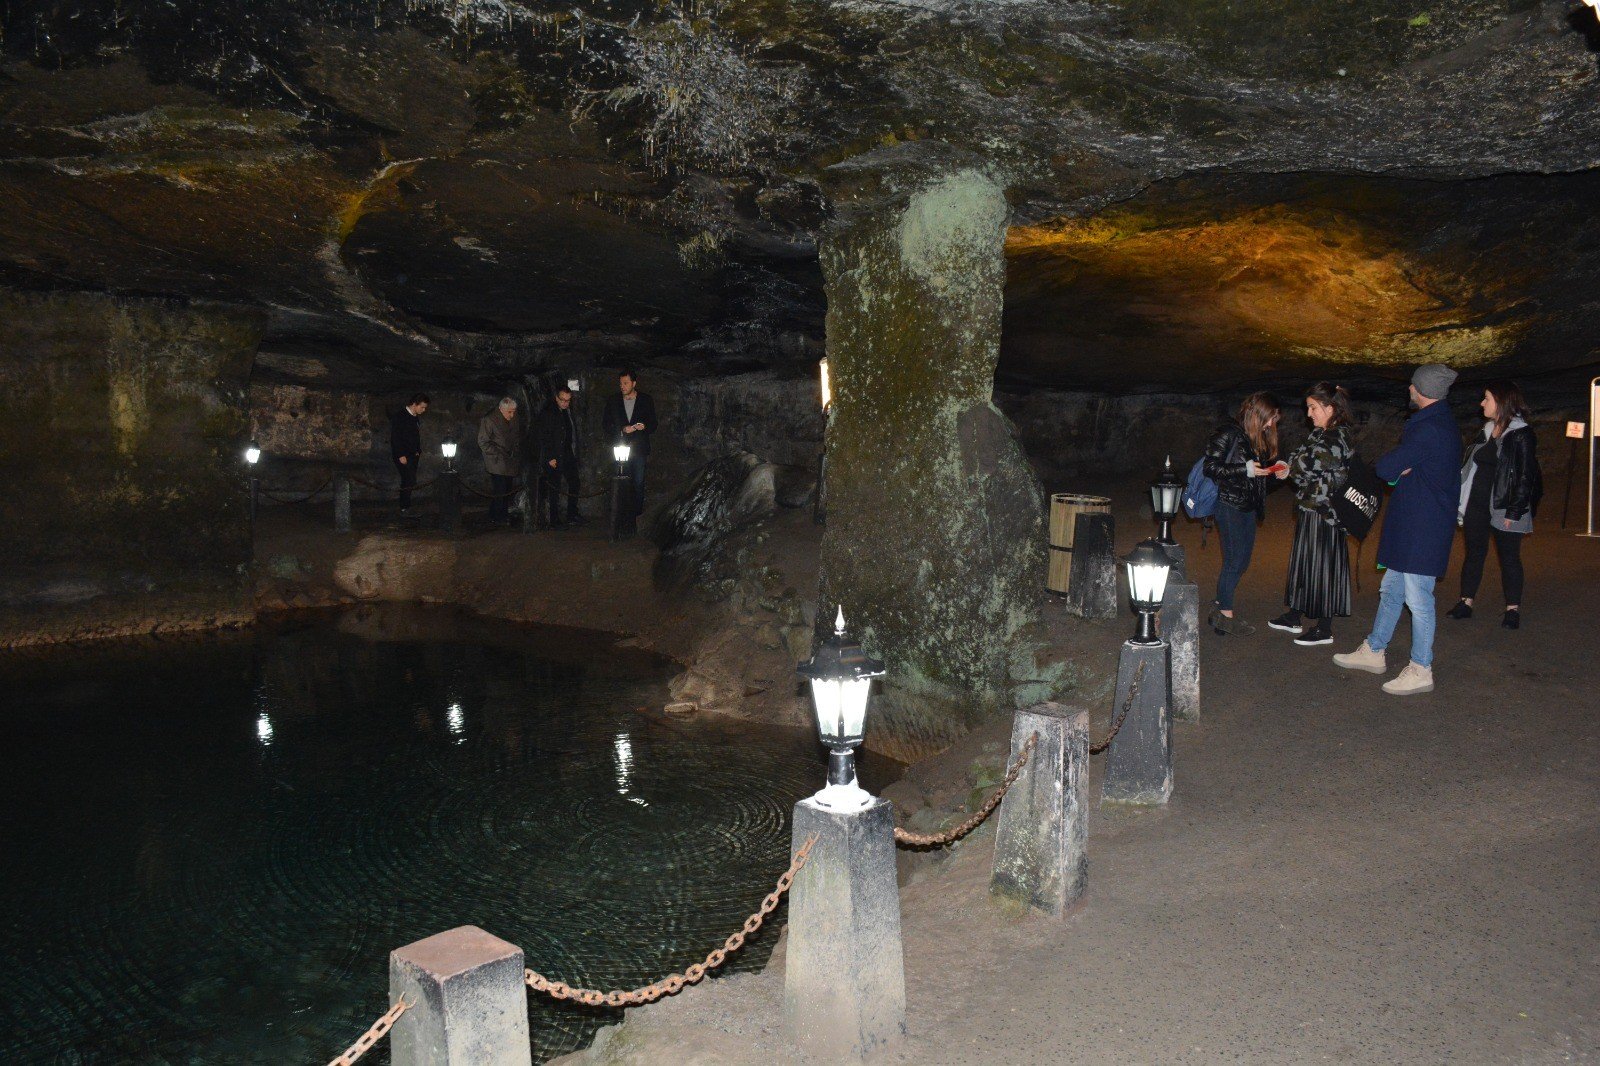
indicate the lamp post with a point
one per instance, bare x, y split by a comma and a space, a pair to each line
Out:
1166, 492
841, 676
1147, 567
252, 456
449, 487
819, 507
619, 493
844, 982
1593, 432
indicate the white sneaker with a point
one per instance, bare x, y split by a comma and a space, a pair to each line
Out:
1410, 681
1363, 658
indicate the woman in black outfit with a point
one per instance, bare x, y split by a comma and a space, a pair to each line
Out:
1500, 489
1239, 458
1318, 586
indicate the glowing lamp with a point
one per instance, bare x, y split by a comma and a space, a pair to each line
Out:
1165, 494
1147, 567
252, 453
841, 676
827, 385
622, 451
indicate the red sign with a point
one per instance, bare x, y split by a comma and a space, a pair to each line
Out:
1575, 429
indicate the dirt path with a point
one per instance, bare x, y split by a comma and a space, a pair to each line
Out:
1340, 876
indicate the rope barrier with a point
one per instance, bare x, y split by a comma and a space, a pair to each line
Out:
670, 985
375, 1033
927, 840
297, 499
490, 495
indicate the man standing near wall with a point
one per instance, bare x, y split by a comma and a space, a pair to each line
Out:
558, 456
405, 446
1417, 532
502, 456
630, 418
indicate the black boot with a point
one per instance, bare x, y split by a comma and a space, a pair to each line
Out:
1462, 609
1512, 619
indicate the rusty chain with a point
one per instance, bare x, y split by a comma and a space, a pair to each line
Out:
297, 499
379, 1030
1116, 727
669, 985
950, 836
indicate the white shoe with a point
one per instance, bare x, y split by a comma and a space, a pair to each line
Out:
1410, 681
1363, 658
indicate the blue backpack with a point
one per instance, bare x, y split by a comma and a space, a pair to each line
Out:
1200, 492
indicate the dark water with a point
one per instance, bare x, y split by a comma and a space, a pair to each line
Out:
211, 846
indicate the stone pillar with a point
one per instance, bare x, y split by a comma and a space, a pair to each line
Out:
1139, 762
1041, 854
1092, 592
935, 534
1180, 627
341, 503
469, 1003
528, 498
844, 991
1175, 552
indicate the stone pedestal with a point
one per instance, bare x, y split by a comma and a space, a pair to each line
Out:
844, 988
527, 498
469, 1003
341, 503
1092, 592
1139, 762
1180, 627
1041, 855
449, 501
1175, 552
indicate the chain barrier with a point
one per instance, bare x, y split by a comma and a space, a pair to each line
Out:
670, 985
297, 499
490, 495
928, 840
1133, 691
418, 487
379, 1030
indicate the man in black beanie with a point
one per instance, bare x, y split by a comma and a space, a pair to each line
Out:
1418, 530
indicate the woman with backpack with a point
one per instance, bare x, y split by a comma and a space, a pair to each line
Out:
1318, 586
1239, 457
1500, 488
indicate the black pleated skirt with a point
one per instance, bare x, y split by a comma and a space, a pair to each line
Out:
1319, 568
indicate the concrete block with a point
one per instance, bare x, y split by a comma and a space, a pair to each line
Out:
844, 978
469, 1003
1180, 627
1180, 569
341, 503
1041, 853
1139, 762
1092, 592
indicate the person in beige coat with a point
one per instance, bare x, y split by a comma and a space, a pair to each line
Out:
501, 444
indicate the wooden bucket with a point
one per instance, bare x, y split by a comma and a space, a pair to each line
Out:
1065, 507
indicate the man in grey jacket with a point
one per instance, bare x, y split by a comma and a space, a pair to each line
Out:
501, 445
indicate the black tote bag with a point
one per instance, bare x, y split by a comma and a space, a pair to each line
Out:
1356, 504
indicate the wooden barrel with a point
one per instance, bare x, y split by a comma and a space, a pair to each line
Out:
1065, 507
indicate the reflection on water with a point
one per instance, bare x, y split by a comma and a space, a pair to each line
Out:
211, 846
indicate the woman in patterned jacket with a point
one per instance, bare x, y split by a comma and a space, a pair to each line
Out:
1318, 585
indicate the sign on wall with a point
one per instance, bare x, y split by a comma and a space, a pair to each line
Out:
1575, 429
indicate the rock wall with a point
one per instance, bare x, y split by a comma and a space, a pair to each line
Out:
121, 422
935, 537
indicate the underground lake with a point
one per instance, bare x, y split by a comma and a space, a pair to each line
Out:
213, 843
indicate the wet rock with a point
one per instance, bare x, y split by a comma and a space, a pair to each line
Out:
726, 494
394, 568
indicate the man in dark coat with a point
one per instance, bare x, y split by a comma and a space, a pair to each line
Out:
501, 444
1418, 530
558, 456
630, 418
405, 446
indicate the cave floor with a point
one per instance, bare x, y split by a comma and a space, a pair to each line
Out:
1341, 875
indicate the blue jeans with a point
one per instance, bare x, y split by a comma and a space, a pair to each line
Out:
1237, 531
1405, 590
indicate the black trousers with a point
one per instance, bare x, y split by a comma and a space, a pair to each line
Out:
1477, 531
500, 506
550, 480
408, 479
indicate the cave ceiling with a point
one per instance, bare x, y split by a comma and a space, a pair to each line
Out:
1206, 193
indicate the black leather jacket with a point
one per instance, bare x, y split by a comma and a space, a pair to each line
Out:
1518, 484
1226, 453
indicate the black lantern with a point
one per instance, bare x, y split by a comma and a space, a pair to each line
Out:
1147, 566
1166, 493
841, 677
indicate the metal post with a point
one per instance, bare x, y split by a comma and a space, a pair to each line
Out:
341, 503
1594, 410
255, 497
450, 500
618, 492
